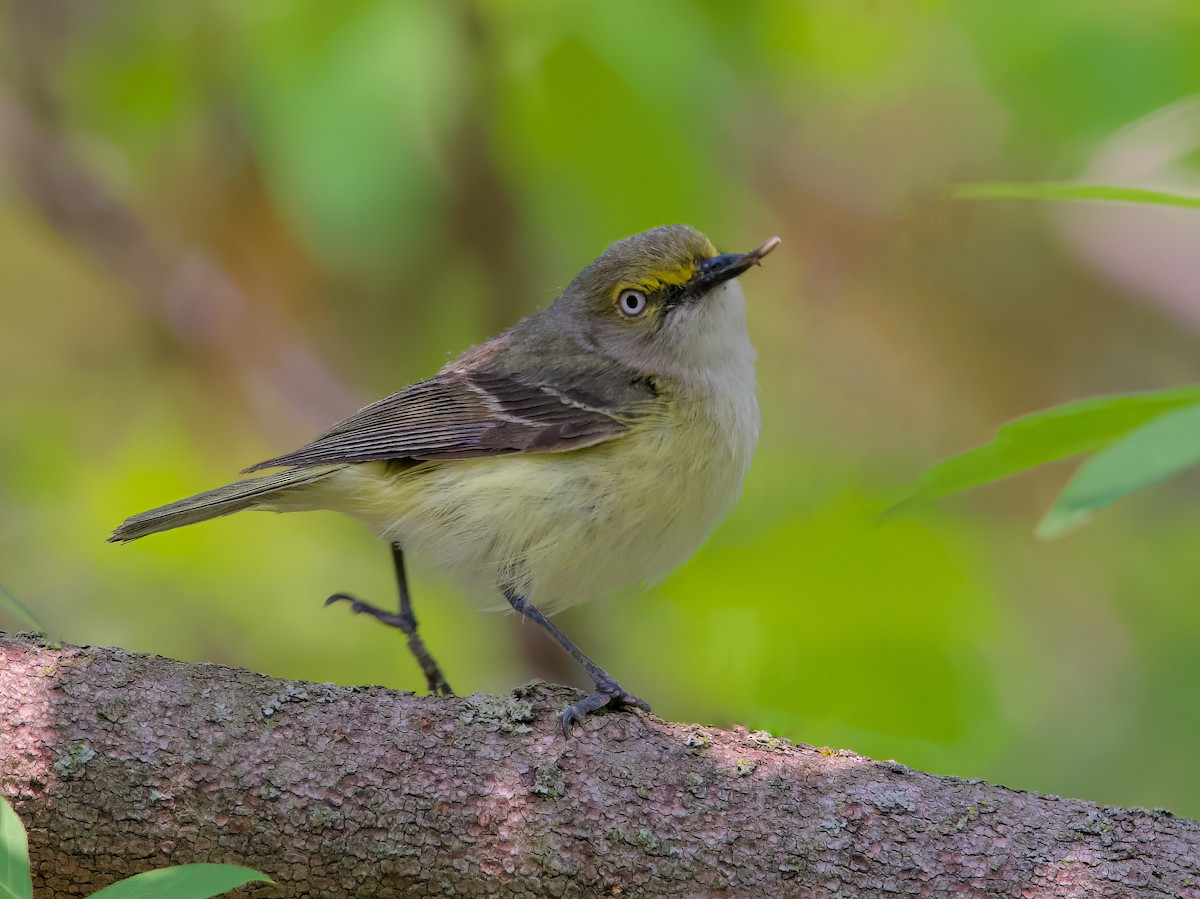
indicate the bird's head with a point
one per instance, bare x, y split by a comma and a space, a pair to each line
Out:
663, 301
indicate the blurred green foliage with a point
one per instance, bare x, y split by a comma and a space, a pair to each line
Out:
1137, 440
195, 881
224, 225
15, 608
14, 855
1154, 452
1068, 191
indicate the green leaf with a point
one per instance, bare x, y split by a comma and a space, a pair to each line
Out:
1164, 447
15, 881
182, 882
18, 608
1057, 433
1010, 190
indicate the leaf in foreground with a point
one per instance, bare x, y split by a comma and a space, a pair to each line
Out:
1012, 190
182, 882
1164, 447
1053, 434
15, 880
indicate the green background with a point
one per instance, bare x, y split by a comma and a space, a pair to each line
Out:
225, 225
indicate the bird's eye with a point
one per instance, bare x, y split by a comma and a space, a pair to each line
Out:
632, 302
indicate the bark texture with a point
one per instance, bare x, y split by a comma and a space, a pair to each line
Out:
120, 762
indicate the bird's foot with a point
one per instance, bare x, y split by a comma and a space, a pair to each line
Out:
434, 679
436, 683
608, 692
358, 607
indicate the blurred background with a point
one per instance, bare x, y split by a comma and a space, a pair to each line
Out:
224, 226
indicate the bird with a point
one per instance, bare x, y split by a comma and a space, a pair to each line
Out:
593, 445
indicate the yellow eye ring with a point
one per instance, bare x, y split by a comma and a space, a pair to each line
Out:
632, 303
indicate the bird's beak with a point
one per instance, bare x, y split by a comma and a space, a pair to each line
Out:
721, 268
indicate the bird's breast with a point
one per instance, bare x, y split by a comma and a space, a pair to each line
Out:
565, 527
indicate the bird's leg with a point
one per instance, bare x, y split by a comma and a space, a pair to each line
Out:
405, 621
607, 691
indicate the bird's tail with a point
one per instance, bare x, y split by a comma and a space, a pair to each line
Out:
262, 492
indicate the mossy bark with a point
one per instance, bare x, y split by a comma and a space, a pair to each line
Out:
120, 762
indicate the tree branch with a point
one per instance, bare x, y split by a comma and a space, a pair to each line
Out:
120, 762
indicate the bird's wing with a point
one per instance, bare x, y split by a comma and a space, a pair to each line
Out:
462, 415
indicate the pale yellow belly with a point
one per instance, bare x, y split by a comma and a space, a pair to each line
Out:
562, 527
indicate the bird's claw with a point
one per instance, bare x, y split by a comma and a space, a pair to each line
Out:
357, 606
434, 679
606, 694
437, 685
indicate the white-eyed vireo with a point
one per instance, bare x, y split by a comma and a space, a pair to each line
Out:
593, 445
